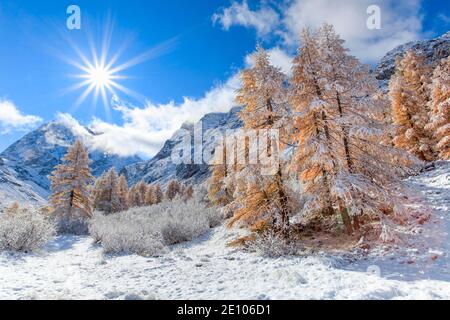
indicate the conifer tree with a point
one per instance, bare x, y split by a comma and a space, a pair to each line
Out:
123, 193
106, 193
70, 184
440, 109
342, 166
409, 93
173, 190
188, 192
220, 190
158, 194
133, 197
149, 196
137, 194
263, 200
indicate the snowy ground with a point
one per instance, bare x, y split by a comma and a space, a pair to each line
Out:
73, 268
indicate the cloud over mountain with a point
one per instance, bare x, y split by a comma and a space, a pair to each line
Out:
12, 119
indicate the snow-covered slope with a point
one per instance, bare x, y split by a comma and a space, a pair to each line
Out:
12, 189
434, 50
75, 268
161, 168
30, 160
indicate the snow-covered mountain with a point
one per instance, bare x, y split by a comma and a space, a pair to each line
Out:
26, 164
161, 168
14, 189
434, 50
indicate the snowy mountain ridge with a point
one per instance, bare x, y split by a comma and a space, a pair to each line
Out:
26, 164
434, 50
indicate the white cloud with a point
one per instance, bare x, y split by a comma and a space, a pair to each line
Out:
263, 20
279, 58
401, 22
144, 130
12, 119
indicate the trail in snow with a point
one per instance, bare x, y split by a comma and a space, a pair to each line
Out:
74, 268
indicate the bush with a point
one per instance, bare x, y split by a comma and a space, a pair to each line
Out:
127, 232
74, 226
148, 230
182, 221
271, 244
25, 230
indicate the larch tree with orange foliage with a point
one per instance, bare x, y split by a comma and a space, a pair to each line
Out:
123, 193
342, 166
136, 195
70, 183
440, 109
263, 201
106, 193
409, 93
220, 188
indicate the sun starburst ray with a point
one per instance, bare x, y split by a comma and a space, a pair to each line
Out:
100, 75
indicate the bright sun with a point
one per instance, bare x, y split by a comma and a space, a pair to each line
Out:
100, 76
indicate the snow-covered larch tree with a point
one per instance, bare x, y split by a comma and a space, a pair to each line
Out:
70, 184
409, 94
123, 193
158, 194
173, 190
106, 193
263, 202
188, 192
220, 190
440, 109
343, 167
136, 195
149, 196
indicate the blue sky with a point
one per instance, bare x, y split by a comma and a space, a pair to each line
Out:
201, 47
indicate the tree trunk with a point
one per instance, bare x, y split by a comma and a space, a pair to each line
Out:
284, 205
345, 136
356, 223
346, 220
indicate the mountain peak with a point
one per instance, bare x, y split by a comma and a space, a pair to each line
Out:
32, 158
434, 50
161, 167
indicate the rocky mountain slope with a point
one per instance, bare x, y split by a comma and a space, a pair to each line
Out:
434, 50
161, 168
14, 189
26, 165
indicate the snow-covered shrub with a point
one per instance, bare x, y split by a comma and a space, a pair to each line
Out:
183, 221
271, 244
25, 230
126, 232
201, 194
215, 216
147, 230
72, 223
